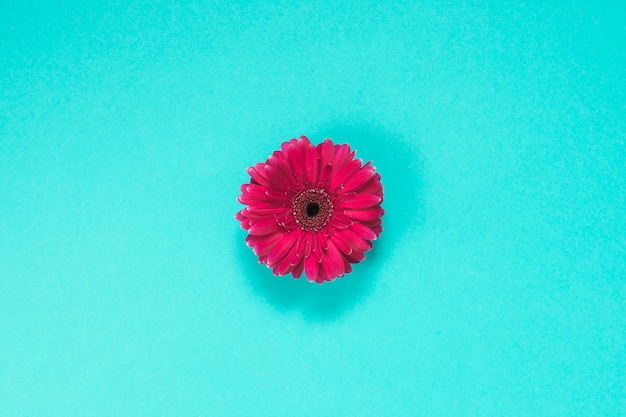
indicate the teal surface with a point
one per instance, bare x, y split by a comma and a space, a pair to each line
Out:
497, 288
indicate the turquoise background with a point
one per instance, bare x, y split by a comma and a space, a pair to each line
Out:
497, 288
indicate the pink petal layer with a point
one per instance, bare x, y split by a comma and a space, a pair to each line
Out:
344, 174
342, 244
311, 165
361, 201
263, 245
364, 215
362, 231
311, 268
334, 260
264, 227
359, 179
297, 270
282, 247
340, 221
354, 240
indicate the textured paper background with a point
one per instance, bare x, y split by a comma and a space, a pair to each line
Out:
497, 288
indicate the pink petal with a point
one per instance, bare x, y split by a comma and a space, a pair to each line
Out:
282, 247
311, 268
340, 221
257, 172
298, 160
373, 186
245, 224
319, 243
288, 221
264, 227
364, 215
309, 242
293, 160
342, 154
377, 229
347, 266
341, 243
263, 193
301, 245
345, 174
324, 274
359, 179
278, 177
328, 152
333, 260
361, 201
325, 172
246, 214
246, 199
285, 146
293, 257
311, 166
364, 232
282, 164
321, 273
284, 266
288, 149
264, 245
261, 209
373, 223
251, 200
325, 154
297, 269
356, 257
354, 240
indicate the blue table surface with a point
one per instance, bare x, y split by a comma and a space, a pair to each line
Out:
498, 286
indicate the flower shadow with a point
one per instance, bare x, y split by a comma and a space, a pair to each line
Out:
400, 167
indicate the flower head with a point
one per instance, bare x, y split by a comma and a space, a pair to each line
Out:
311, 208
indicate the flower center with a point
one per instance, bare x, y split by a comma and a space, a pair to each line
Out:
312, 209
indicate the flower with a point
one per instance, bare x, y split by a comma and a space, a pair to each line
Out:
311, 208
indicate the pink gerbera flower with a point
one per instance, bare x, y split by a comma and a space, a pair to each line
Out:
311, 208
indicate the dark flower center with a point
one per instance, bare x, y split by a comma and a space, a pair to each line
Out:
312, 209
